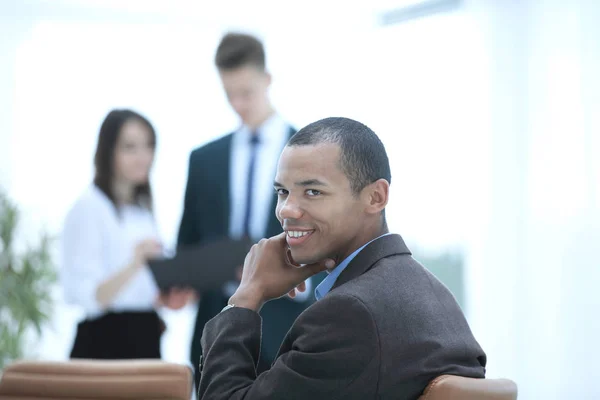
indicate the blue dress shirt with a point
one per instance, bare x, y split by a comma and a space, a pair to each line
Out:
327, 283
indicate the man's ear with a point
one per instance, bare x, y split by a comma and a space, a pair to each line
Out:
376, 196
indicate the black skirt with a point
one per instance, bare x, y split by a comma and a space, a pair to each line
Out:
119, 335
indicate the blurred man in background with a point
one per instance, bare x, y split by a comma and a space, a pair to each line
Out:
229, 191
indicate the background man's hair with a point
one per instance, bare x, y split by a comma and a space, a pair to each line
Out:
238, 50
363, 158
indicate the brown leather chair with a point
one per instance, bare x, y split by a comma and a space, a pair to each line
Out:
450, 387
96, 379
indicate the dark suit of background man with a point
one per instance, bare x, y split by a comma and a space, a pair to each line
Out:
383, 327
230, 191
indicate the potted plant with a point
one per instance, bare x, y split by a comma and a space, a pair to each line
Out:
26, 279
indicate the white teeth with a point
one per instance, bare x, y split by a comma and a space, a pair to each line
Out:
296, 234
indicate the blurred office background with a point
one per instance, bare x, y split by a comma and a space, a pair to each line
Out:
489, 109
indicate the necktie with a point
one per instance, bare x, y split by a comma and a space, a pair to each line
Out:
254, 140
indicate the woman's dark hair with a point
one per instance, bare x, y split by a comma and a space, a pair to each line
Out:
105, 155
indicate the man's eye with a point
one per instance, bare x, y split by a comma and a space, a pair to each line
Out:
281, 192
312, 192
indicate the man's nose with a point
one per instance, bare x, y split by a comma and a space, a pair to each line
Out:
290, 209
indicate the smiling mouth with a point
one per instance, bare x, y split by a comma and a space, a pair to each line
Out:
295, 238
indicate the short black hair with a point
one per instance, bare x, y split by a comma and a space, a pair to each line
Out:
363, 158
238, 50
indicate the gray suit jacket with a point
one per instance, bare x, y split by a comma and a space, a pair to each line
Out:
385, 330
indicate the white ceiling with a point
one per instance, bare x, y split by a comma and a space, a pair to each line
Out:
197, 9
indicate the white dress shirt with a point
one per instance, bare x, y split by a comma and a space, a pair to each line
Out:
96, 244
273, 135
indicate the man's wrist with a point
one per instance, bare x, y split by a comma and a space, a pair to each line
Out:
246, 299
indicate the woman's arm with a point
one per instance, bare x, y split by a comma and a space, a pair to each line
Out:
109, 289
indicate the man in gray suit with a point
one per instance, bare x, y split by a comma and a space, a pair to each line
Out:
382, 328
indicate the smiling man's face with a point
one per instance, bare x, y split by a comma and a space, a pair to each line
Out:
316, 206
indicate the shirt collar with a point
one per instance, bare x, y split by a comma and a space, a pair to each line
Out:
325, 286
270, 130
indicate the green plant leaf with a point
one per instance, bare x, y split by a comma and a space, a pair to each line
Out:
25, 285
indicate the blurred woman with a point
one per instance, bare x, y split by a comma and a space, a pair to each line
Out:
108, 237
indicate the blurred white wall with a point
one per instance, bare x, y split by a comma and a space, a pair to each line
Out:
489, 116
534, 264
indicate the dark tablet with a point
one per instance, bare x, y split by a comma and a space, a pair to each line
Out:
201, 267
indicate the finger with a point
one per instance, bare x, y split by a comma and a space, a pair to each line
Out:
280, 237
289, 259
301, 287
280, 240
292, 293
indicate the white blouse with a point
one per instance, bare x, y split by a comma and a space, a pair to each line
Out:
96, 244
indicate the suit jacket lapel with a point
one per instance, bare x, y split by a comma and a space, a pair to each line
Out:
365, 260
221, 170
